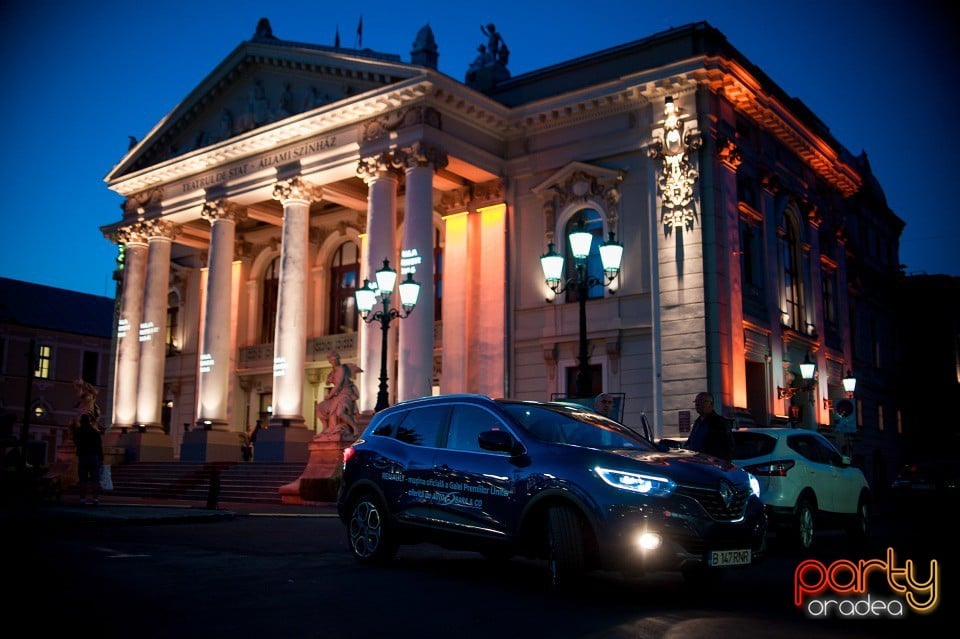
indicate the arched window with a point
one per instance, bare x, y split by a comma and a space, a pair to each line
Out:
594, 225
173, 319
790, 255
344, 273
271, 290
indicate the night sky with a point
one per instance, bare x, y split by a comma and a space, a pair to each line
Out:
80, 77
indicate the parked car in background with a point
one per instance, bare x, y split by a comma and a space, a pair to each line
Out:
927, 482
805, 483
544, 480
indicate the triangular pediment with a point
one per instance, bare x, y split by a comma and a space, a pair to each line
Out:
264, 80
577, 177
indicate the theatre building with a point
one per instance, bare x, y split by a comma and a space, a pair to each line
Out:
752, 240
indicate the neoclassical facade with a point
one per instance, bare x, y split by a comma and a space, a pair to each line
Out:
256, 208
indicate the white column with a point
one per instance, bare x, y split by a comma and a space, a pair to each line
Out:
456, 284
128, 331
415, 353
290, 343
382, 180
153, 323
214, 380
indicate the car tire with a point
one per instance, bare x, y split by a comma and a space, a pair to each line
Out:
565, 553
859, 528
368, 532
805, 525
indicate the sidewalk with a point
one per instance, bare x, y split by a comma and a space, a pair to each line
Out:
121, 510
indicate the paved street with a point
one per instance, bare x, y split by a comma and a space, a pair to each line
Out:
143, 570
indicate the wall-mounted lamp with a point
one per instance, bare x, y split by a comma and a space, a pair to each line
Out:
849, 383
807, 370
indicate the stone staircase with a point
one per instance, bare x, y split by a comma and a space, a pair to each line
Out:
243, 482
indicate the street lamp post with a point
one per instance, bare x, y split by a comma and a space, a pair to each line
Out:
611, 254
366, 298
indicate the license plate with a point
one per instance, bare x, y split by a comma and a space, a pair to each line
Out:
730, 557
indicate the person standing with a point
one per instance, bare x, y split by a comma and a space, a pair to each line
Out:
603, 404
89, 459
711, 433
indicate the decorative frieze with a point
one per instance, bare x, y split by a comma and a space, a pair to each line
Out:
471, 197
138, 203
384, 125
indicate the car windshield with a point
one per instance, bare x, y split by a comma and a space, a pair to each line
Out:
565, 424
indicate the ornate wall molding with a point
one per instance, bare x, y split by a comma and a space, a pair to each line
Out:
677, 174
582, 185
729, 153
138, 203
395, 120
472, 197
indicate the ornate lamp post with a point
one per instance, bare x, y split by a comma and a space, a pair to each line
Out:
367, 297
611, 253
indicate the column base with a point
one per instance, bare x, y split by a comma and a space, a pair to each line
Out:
210, 445
147, 446
281, 445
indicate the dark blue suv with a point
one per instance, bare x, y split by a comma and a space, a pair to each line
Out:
545, 481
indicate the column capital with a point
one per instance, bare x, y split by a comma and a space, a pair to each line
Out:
160, 228
421, 154
221, 209
297, 188
130, 234
371, 168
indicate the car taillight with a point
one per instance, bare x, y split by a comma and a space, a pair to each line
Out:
348, 453
771, 469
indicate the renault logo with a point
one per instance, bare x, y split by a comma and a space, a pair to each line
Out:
727, 493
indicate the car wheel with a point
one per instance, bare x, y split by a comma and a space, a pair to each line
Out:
565, 555
860, 526
368, 533
805, 528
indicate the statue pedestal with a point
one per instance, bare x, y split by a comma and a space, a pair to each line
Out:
322, 471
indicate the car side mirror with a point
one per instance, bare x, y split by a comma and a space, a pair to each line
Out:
499, 441
844, 460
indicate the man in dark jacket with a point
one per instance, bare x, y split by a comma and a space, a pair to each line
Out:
89, 459
711, 433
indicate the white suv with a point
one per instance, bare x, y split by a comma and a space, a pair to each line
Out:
805, 483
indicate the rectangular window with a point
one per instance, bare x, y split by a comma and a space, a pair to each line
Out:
44, 354
880, 417
91, 361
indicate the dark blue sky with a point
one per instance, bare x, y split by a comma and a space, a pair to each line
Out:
79, 77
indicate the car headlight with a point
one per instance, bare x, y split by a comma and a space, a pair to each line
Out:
637, 482
754, 484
